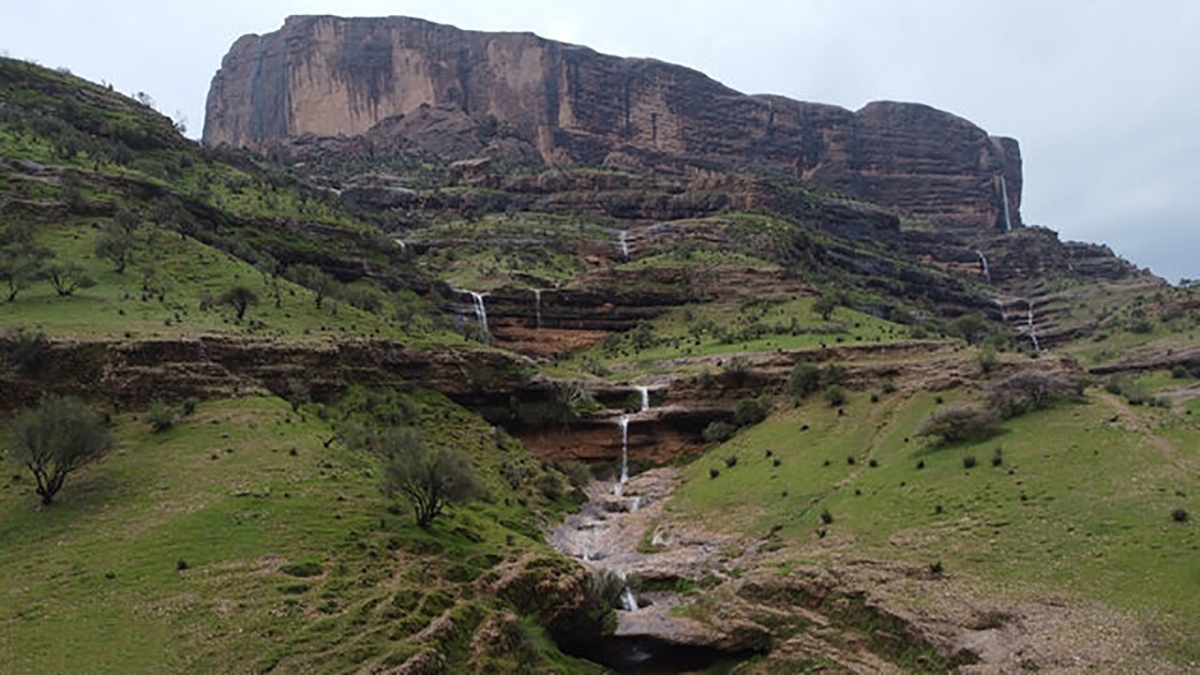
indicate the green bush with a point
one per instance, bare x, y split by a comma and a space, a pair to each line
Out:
835, 396
719, 432
751, 411
308, 568
160, 417
804, 380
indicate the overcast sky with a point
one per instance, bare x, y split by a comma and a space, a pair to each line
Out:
1103, 95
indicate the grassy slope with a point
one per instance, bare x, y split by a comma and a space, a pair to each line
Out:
1099, 482
92, 584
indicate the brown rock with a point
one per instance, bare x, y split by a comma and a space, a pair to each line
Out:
454, 94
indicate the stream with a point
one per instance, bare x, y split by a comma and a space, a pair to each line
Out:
613, 531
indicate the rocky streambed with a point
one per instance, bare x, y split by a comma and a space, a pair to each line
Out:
621, 530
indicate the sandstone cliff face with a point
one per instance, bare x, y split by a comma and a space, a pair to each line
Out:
458, 94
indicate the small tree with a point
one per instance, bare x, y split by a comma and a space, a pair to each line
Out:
22, 261
314, 279
61, 436
115, 245
241, 299
429, 479
68, 278
824, 305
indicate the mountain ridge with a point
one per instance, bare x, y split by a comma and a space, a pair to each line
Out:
521, 97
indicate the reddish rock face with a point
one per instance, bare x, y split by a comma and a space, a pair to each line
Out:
416, 86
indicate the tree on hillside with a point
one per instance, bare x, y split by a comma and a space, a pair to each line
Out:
68, 278
58, 438
115, 245
824, 305
241, 299
427, 478
22, 261
314, 279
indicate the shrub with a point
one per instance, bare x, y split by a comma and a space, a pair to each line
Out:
1031, 390
308, 568
550, 486
731, 461
719, 432
1180, 515
826, 516
872, 463
959, 422
751, 411
998, 457
804, 380
1180, 372
159, 417
579, 475
969, 462
714, 472
835, 396
181, 565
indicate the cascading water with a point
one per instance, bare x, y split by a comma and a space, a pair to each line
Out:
1004, 205
624, 424
623, 240
537, 306
645, 393
628, 601
987, 274
481, 314
1029, 323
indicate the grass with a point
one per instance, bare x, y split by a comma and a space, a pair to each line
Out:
186, 272
180, 552
1094, 520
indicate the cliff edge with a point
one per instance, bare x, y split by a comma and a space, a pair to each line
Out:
458, 94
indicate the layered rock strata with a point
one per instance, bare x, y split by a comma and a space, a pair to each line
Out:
420, 87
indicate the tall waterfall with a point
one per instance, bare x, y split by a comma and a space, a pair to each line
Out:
481, 314
987, 274
624, 424
623, 240
537, 306
1029, 323
1004, 205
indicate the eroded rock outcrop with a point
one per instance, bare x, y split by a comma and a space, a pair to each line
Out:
409, 85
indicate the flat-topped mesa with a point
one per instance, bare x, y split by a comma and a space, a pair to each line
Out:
459, 94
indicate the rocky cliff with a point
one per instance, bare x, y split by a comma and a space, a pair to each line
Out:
416, 86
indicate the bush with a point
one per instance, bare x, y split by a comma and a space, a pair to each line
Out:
751, 411
969, 462
1180, 372
579, 475
826, 516
998, 457
160, 417
719, 432
1180, 515
1031, 390
835, 396
958, 423
731, 461
804, 380
308, 568
714, 472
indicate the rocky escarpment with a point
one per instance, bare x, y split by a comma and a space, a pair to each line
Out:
404, 85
